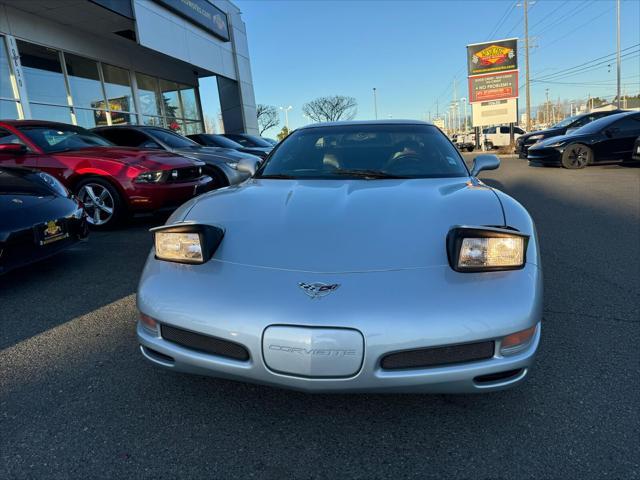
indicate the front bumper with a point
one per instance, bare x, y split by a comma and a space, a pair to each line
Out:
152, 197
394, 311
545, 156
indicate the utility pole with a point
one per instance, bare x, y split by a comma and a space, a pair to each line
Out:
546, 106
375, 102
618, 52
526, 61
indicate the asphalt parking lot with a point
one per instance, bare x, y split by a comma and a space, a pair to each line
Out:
78, 401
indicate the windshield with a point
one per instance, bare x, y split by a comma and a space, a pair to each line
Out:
566, 122
221, 141
60, 138
597, 125
365, 151
250, 140
172, 140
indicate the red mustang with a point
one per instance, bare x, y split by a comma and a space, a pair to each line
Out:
110, 181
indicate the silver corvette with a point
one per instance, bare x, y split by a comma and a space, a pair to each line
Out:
360, 257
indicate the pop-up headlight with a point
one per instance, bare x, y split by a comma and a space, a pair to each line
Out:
186, 243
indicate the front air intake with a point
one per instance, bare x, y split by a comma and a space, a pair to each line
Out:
204, 343
438, 356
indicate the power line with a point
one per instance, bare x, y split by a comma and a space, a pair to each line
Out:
583, 67
562, 18
578, 27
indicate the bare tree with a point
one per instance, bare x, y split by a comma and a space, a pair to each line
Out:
331, 109
267, 117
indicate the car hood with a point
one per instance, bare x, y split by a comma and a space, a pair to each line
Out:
549, 132
343, 226
10, 202
545, 142
214, 154
151, 159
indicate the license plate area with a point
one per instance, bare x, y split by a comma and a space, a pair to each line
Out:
51, 231
313, 352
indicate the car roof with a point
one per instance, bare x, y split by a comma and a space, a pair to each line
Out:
365, 122
37, 123
616, 116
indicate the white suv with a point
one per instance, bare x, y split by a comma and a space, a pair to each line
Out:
494, 137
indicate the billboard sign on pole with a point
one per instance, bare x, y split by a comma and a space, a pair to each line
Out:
492, 57
495, 112
494, 86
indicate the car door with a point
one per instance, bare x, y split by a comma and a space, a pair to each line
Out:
27, 159
621, 137
504, 138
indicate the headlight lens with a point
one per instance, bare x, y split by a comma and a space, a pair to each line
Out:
179, 247
556, 144
478, 249
54, 184
233, 165
186, 243
150, 177
536, 137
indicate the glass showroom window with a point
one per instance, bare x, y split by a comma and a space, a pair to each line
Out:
45, 82
117, 85
149, 97
9, 105
190, 110
86, 91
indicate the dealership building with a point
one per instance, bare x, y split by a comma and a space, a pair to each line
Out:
181, 64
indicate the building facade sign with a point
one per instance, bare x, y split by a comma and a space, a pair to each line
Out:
201, 13
492, 57
494, 86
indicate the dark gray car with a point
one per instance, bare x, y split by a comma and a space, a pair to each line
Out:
221, 163
215, 140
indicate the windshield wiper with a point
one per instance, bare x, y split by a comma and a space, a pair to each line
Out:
365, 173
279, 176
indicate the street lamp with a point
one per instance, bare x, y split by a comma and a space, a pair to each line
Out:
464, 100
286, 115
375, 102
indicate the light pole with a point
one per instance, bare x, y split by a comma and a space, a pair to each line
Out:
618, 51
375, 102
464, 101
286, 115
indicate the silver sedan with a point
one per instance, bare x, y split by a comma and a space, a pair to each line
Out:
361, 257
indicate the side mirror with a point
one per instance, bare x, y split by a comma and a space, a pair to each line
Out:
484, 162
13, 148
248, 165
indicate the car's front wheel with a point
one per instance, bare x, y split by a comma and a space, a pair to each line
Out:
102, 202
577, 156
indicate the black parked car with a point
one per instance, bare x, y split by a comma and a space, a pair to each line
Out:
609, 139
568, 125
215, 140
38, 216
247, 140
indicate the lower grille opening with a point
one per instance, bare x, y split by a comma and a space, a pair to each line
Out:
157, 355
495, 377
437, 356
204, 343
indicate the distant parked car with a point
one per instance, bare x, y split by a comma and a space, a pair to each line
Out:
568, 125
495, 137
247, 140
466, 141
608, 139
215, 140
38, 216
221, 164
110, 181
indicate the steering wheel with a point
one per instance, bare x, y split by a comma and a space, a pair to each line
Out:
400, 163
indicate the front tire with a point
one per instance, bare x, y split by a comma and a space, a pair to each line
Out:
102, 202
576, 156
